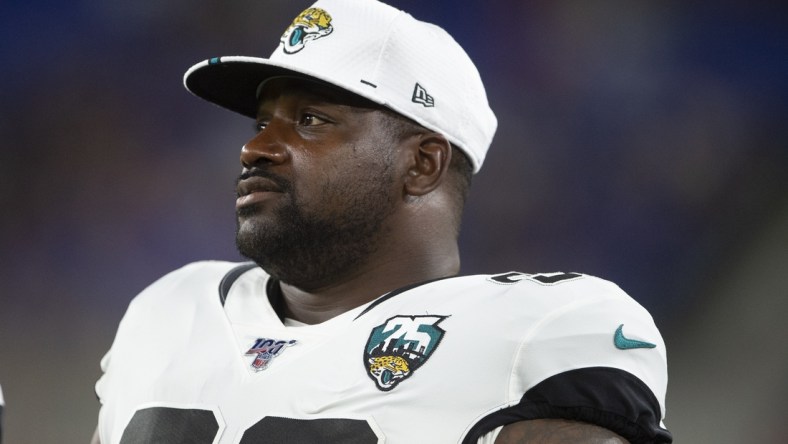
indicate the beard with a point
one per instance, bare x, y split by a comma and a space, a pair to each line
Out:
309, 247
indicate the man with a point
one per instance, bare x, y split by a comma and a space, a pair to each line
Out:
351, 324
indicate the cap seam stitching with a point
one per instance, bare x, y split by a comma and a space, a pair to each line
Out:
385, 45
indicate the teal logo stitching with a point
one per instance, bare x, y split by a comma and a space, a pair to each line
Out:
623, 343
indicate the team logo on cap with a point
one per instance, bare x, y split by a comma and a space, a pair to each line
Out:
420, 96
265, 350
396, 348
311, 24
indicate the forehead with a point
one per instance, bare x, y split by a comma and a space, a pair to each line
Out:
304, 88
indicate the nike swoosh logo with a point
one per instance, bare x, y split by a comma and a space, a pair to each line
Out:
623, 343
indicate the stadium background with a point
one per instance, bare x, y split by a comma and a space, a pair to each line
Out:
644, 142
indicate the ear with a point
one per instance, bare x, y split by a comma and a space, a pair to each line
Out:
428, 165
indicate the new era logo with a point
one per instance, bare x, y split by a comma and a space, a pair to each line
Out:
420, 96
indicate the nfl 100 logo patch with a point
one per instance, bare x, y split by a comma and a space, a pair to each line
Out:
398, 347
265, 350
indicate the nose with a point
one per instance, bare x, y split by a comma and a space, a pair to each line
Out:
266, 147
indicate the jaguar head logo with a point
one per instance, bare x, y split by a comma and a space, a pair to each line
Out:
387, 371
311, 24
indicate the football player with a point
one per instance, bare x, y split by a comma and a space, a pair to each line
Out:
351, 323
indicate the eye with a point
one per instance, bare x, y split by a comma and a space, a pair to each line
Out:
259, 126
308, 119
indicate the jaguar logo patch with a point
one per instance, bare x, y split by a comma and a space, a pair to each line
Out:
398, 347
312, 24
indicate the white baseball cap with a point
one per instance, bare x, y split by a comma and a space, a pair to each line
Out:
376, 51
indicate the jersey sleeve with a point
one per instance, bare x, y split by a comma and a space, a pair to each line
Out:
598, 359
133, 320
170, 299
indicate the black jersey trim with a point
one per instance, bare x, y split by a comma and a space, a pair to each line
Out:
274, 291
608, 397
229, 279
393, 293
275, 297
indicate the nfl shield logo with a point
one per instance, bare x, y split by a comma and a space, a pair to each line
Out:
265, 350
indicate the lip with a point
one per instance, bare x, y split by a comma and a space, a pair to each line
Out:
255, 190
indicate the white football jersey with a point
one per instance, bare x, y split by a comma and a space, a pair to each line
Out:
202, 356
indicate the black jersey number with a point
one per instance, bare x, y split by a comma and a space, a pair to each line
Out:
543, 278
181, 426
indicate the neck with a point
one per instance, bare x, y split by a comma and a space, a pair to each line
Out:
400, 267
